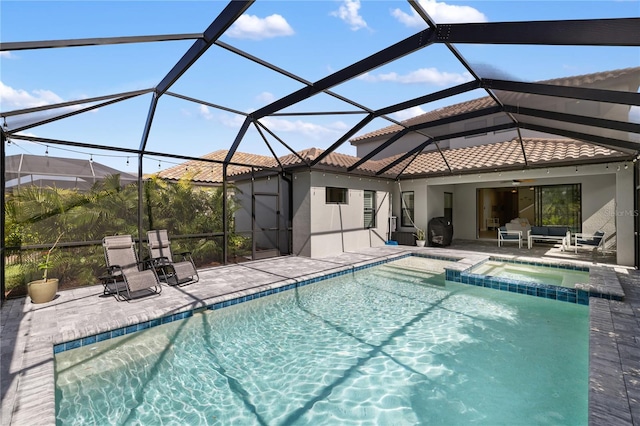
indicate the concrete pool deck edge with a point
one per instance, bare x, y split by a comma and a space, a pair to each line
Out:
29, 331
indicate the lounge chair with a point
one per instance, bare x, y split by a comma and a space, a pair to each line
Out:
505, 235
126, 276
182, 271
593, 241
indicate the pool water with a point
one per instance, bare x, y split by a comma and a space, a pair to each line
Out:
394, 344
532, 273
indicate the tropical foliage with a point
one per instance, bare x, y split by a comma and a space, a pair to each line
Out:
37, 216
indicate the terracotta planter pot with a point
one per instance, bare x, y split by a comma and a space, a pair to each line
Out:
41, 291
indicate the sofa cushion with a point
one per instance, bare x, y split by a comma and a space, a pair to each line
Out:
539, 230
557, 231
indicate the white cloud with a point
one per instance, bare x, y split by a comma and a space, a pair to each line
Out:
310, 130
406, 114
7, 55
234, 121
13, 99
255, 28
349, 13
441, 13
420, 76
265, 97
205, 113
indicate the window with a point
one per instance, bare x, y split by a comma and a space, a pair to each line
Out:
407, 209
369, 209
559, 205
336, 195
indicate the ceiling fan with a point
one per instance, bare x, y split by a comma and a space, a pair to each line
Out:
516, 182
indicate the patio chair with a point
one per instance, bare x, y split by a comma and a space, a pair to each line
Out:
593, 241
505, 235
173, 272
126, 276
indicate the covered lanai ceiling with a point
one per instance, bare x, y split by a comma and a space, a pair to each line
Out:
226, 68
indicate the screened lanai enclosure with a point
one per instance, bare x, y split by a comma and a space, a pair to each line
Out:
204, 117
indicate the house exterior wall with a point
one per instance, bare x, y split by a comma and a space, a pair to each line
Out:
301, 238
625, 213
325, 229
585, 108
607, 201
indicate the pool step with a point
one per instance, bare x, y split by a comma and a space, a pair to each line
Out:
121, 352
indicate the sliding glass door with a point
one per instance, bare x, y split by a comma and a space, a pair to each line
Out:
559, 205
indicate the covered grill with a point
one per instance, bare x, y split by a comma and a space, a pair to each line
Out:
439, 232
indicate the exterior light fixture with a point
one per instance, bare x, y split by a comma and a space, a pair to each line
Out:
91, 158
46, 151
618, 168
626, 166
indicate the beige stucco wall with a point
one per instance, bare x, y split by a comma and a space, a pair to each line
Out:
301, 214
607, 200
322, 229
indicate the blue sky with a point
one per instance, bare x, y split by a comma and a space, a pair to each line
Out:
311, 39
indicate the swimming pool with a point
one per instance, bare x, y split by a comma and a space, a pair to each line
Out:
394, 344
532, 273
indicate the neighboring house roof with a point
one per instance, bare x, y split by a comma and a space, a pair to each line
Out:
65, 173
209, 172
585, 80
540, 152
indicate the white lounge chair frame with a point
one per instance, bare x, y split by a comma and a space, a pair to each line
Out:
509, 236
593, 241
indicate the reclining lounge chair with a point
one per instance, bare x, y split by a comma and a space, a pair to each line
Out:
126, 276
593, 241
170, 271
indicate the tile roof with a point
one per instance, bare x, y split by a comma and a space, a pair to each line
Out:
540, 152
485, 102
201, 171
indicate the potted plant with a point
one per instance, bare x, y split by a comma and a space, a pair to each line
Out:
44, 290
420, 237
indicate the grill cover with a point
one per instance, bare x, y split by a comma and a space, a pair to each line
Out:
439, 232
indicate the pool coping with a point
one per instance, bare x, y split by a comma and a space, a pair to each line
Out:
34, 399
